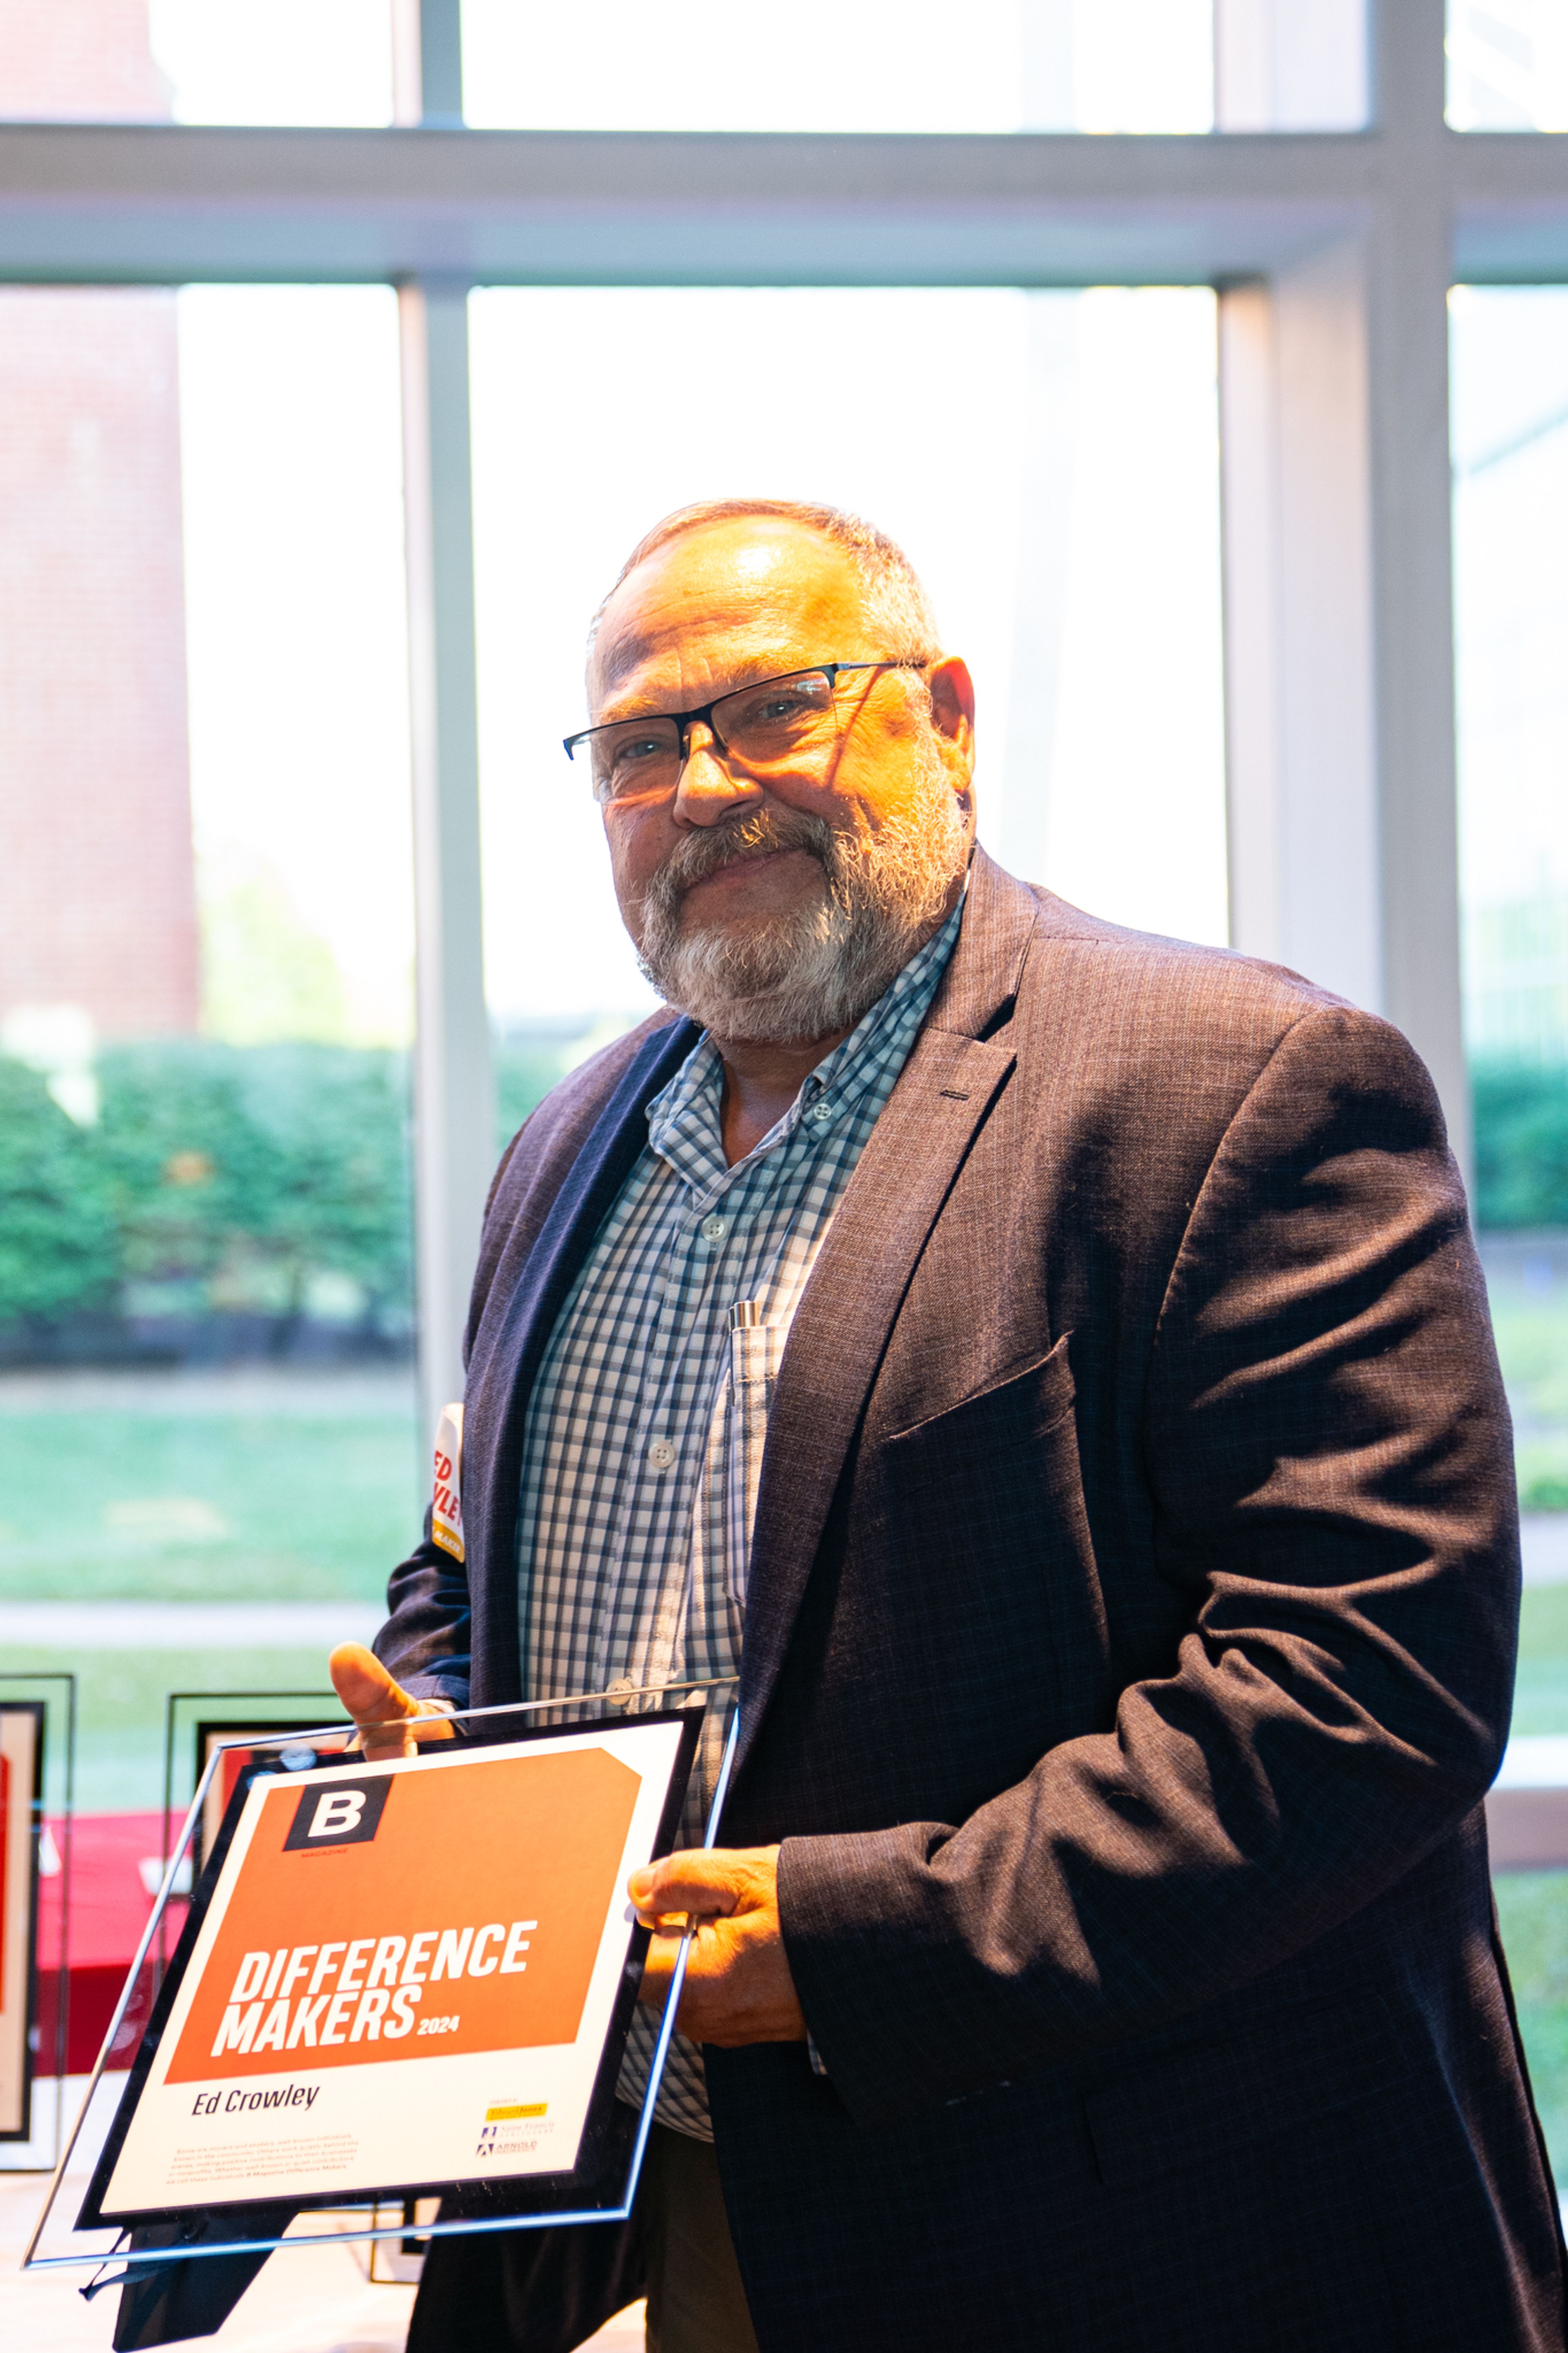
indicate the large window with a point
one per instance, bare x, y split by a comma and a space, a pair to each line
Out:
823, 65
1511, 509
1507, 65
282, 61
1051, 463
206, 1420
1510, 423
208, 1196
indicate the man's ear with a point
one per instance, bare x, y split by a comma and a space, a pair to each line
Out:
952, 716
953, 698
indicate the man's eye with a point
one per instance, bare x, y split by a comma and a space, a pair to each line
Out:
636, 751
782, 706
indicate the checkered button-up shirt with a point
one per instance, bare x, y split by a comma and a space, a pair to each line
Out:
644, 1442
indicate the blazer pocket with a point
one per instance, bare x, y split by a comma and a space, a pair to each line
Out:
1017, 1411
1209, 2101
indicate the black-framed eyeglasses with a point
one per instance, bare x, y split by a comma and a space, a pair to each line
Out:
769, 724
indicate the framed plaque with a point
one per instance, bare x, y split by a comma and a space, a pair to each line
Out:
397, 1988
402, 1979
21, 1798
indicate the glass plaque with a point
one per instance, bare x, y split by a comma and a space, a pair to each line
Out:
394, 1982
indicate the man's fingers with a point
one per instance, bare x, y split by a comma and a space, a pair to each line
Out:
682, 1882
659, 1966
696, 1880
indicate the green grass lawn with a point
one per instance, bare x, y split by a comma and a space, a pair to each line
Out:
110, 1505
1532, 1905
247, 1507
1533, 1908
1541, 1690
1531, 1333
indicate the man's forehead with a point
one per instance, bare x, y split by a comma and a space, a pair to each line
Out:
738, 593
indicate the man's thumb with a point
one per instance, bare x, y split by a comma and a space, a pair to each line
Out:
366, 1690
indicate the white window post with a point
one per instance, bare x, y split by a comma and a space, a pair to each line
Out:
1338, 578
454, 1093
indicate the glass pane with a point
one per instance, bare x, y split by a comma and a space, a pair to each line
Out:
1510, 447
842, 64
207, 1453
1507, 65
281, 61
1510, 548
1048, 462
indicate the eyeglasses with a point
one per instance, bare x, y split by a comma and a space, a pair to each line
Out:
771, 725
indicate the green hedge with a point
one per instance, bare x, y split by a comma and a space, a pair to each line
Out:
60, 1245
231, 1174
244, 1170
237, 1172
1521, 1144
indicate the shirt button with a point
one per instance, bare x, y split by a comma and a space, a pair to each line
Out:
822, 1113
661, 1454
715, 1229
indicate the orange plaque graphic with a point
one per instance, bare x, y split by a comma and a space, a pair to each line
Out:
374, 1920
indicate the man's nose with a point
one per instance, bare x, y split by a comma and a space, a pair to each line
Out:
707, 792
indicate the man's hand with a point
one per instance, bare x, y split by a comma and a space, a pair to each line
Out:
384, 1713
738, 1988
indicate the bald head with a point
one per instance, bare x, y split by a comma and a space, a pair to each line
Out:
897, 606
724, 602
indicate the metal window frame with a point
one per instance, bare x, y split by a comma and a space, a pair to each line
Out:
1333, 253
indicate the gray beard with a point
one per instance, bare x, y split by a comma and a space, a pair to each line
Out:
806, 974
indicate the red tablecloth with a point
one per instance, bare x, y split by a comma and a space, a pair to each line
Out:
108, 1909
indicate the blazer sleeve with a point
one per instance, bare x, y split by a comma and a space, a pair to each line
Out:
1328, 1451
427, 1641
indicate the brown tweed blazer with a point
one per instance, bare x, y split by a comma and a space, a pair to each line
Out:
1129, 1646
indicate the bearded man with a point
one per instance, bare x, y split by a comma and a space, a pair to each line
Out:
1099, 1955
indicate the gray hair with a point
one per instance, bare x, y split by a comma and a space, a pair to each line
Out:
896, 605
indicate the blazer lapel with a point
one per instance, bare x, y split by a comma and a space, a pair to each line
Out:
915, 1151
507, 1356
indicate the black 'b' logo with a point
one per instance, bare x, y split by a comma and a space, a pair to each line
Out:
340, 1813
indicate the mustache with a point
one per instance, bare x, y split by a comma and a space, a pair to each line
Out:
700, 854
